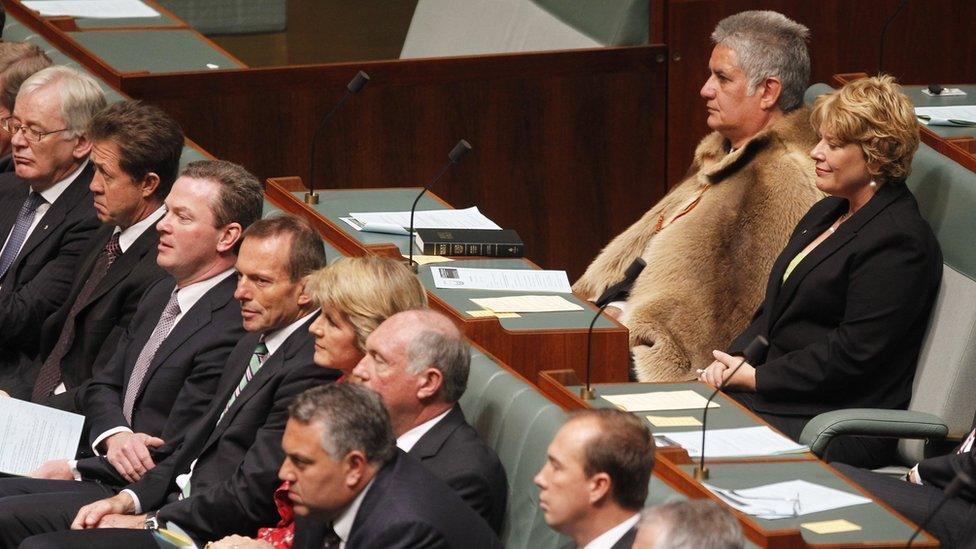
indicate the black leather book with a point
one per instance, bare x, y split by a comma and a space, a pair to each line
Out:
469, 242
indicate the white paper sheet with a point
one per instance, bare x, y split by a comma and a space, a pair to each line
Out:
397, 222
98, 9
527, 304
746, 441
660, 400
32, 434
787, 499
510, 280
961, 115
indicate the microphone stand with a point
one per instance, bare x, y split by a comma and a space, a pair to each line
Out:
354, 85
457, 153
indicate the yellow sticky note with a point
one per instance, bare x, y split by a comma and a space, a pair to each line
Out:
831, 526
681, 421
484, 313
508, 315
425, 259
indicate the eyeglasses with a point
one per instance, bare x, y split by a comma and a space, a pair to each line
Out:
11, 126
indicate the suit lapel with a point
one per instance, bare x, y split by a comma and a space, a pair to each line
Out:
69, 199
122, 266
431, 442
8, 215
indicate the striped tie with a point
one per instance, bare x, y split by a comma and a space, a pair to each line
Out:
257, 359
19, 233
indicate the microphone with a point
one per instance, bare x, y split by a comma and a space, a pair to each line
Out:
751, 354
354, 85
611, 294
456, 155
958, 482
884, 31
618, 290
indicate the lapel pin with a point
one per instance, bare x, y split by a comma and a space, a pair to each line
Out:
45, 228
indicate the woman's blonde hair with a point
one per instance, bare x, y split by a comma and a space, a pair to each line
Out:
367, 291
876, 115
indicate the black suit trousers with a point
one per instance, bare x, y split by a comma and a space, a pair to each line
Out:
30, 506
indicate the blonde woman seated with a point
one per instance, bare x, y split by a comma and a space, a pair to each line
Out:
356, 294
848, 301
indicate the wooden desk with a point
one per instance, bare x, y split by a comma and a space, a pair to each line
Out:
881, 525
531, 343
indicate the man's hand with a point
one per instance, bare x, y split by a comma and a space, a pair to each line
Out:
718, 373
134, 522
129, 453
91, 515
239, 542
55, 469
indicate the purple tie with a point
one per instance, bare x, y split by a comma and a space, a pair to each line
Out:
163, 327
19, 233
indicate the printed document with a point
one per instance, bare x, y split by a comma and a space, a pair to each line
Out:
97, 9
398, 222
660, 400
527, 304
787, 499
742, 442
33, 434
512, 280
961, 115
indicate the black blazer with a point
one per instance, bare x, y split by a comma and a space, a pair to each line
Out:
454, 452
406, 507
238, 458
39, 280
845, 328
941, 470
182, 378
104, 316
625, 542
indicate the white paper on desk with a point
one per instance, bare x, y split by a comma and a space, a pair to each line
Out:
527, 304
745, 441
98, 9
511, 280
32, 434
787, 499
397, 222
660, 400
960, 115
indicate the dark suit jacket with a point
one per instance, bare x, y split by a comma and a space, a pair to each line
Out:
406, 507
625, 542
238, 458
940, 471
39, 280
845, 328
182, 378
104, 316
454, 452
7, 163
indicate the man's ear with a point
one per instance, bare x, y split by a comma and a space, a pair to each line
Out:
429, 383
229, 237
149, 184
82, 148
355, 465
600, 485
304, 299
769, 90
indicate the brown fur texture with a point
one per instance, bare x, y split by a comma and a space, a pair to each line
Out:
706, 273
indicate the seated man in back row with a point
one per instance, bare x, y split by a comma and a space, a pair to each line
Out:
710, 243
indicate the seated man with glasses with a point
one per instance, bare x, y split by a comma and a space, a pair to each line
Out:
47, 217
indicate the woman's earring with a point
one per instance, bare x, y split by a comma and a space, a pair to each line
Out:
873, 184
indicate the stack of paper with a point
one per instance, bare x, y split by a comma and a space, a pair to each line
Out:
746, 441
398, 222
99, 9
660, 400
527, 304
513, 280
33, 434
786, 499
961, 115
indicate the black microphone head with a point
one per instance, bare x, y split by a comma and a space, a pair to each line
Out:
357, 82
935, 89
632, 272
459, 151
756, 348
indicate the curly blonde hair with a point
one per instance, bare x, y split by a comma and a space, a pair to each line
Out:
877, 116
367, 291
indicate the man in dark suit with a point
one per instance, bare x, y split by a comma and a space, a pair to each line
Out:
418, 362
163, 374
594, 482
47, 220
217, 478
917, 495
136, 154
351, 485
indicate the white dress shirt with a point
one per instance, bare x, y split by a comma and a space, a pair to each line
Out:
408, 440
342, 525
607, 539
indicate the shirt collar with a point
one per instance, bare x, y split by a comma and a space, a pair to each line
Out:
187, 296
128, 236
408, 440
342, 525
54, 191
274, 339
613, 535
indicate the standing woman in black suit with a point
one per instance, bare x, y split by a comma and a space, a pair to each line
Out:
848, 300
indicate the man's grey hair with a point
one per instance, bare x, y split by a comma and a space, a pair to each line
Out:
693, 524
769, 44
448, 353
79, 94
353, 417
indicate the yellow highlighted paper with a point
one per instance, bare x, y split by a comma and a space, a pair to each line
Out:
831, 526
484, 313
681, 421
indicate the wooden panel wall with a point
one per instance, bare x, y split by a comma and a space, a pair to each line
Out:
929, 41
568, 146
